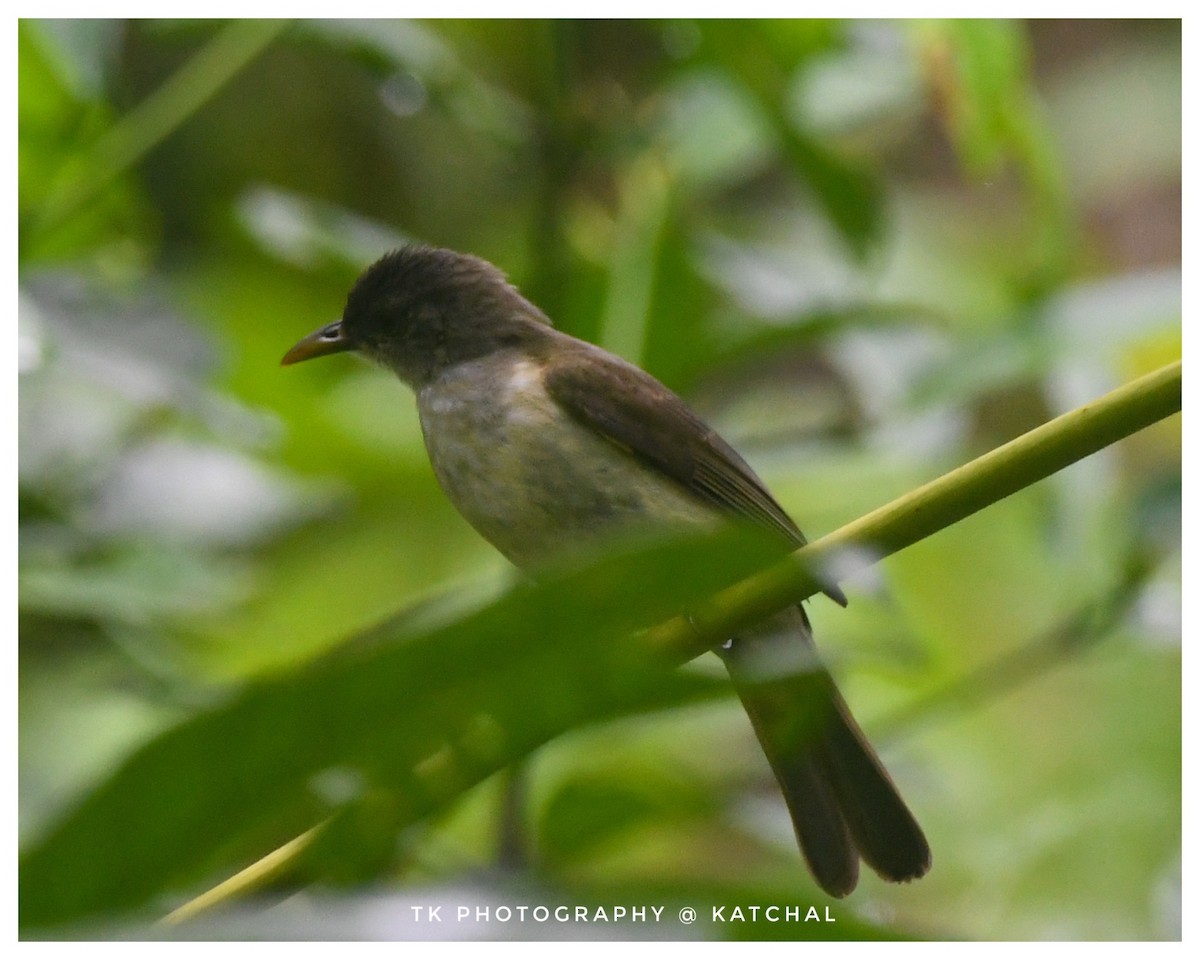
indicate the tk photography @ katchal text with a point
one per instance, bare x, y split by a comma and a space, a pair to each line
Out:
619, 913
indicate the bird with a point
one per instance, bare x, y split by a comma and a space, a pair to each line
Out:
542, 440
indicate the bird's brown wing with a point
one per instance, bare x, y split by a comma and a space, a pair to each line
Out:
634, 411
637, 413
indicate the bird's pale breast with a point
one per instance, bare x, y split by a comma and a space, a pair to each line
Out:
534, 482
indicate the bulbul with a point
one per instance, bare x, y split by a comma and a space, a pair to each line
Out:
544, 442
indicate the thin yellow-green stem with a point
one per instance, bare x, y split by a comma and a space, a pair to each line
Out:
901, 523
1020, 463
244, 881
645, 198
159, 114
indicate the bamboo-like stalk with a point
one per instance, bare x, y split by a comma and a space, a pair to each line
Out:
1018, 464
918, 514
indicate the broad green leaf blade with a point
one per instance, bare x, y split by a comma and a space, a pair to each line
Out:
399, 709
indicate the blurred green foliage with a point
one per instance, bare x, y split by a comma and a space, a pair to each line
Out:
866, 250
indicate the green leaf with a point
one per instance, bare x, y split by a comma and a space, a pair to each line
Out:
426, 711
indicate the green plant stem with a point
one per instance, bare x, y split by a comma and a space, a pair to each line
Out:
912, 517
641, 219
259, 873
1020, 463
159, 114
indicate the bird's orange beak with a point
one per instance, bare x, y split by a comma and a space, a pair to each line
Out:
329, 339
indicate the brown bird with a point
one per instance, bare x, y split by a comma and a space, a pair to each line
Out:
542, 440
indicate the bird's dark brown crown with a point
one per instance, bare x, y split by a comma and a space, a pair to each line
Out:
420, 309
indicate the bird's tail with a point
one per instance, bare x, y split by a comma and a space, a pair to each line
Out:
842, 802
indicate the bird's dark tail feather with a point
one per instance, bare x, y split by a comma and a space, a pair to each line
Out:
842, 802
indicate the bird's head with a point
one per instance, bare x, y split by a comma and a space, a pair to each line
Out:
420, 310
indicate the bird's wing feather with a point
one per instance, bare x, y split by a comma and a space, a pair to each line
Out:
635, 412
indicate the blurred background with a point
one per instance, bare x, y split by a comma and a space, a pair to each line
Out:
867, 251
